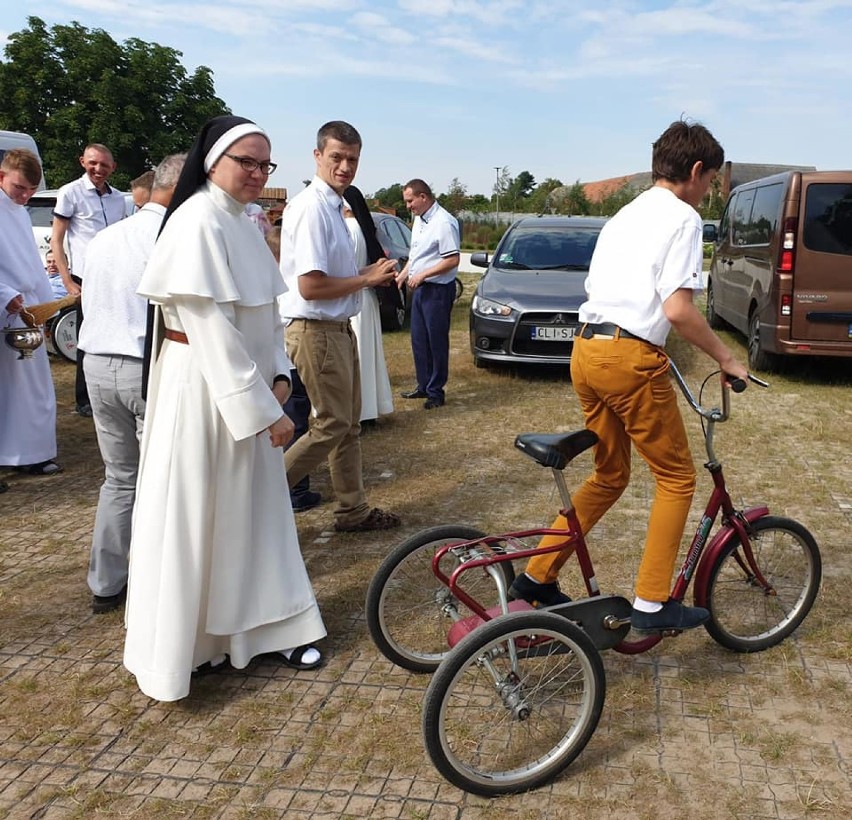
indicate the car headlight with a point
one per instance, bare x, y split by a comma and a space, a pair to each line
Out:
485, 307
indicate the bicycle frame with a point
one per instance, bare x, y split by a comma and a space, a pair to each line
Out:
490, 550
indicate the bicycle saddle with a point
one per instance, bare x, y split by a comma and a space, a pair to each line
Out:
555, 449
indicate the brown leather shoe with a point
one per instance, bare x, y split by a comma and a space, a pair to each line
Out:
376, 520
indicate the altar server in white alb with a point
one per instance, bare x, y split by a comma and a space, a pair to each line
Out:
27, 400
215, 564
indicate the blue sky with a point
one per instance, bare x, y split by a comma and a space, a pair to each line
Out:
561, 88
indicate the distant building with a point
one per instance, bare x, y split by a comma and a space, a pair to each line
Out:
733, 174
273, 201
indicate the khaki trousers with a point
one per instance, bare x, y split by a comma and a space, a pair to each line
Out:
627, 396
326, 355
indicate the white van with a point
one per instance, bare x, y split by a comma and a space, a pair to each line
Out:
15, 139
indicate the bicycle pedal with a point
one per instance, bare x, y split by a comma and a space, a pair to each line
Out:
670, 633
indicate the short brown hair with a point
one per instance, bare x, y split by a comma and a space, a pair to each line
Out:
340, 131
145, 180
418, 186
20, 159
679, 147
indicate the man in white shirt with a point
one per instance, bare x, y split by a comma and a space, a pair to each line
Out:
324, 292
645, 269
113, 338
431, 276
84, 207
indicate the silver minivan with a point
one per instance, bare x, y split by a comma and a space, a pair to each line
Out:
781, 271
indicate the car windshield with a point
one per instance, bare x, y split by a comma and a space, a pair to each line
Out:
548, 249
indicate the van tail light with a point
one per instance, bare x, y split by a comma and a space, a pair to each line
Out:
786, 304
788, 246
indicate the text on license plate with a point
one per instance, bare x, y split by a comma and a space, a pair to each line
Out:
552, 334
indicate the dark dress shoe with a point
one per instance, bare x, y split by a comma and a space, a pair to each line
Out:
305, 501
107, 603
413, 394
431, 404
85, 410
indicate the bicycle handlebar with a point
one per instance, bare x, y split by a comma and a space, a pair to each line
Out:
714, 414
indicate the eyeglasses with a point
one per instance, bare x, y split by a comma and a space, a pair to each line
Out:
250, 165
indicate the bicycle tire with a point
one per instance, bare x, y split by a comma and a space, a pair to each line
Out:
509, 732
744, 618
406, 603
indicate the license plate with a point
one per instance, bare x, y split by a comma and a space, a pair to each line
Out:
550, 333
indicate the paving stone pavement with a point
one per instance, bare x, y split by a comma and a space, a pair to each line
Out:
687, 730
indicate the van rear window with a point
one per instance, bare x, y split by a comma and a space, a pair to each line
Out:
828, 218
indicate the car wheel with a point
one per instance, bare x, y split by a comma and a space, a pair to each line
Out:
393, 317
713, 319
758, 358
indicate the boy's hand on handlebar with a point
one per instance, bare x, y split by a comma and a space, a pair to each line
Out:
731, 371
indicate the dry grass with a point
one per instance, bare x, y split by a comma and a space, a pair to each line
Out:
687, 728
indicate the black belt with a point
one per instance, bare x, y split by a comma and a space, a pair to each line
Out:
607, 329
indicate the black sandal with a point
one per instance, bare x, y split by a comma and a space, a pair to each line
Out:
295, 660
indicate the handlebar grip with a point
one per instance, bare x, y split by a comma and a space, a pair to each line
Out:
737, 385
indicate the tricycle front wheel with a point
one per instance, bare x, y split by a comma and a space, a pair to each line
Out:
744, 616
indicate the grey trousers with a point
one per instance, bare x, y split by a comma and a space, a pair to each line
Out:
115, 392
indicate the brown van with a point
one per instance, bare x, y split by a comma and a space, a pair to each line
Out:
781, 271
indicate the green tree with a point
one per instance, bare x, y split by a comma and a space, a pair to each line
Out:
575, 202
539, 200
519, 190
456, 198
614, 201
713, 204
392, 198
500, 187
69, 85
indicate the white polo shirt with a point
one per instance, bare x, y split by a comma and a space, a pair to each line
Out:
434, 236
648, 250
88, 212
314, 236
115, 261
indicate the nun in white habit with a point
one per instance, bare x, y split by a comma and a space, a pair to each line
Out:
215, 564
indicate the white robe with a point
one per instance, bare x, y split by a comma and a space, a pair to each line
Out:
215, 564
27, 398
376, 397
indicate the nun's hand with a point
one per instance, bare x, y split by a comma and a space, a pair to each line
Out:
282, 431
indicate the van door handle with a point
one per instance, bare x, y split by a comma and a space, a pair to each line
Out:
728, 262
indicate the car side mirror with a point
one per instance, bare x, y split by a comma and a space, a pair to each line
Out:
710, 233
479, 259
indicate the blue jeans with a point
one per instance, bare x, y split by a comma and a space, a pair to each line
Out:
118, 409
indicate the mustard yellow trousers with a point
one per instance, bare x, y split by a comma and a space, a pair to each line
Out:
627, 396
